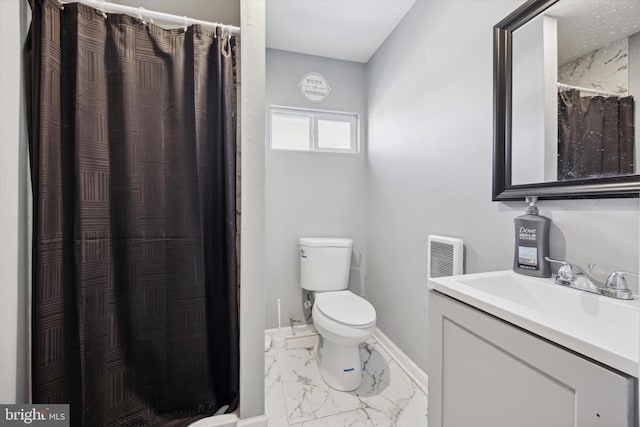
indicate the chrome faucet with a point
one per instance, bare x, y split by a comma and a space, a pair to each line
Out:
574, 277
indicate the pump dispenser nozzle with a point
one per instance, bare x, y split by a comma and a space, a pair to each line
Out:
532, 209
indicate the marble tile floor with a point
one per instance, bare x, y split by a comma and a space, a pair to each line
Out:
296, 395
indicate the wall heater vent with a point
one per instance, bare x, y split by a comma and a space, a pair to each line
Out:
446, 256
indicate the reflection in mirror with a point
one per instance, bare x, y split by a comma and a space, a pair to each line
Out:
575, 80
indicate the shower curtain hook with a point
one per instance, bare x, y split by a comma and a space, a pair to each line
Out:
102, 9
140, 10
226, 42
61, 4
186, 24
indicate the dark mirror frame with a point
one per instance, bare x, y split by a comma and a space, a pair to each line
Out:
503, 189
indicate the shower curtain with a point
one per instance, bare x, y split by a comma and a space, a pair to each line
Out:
595, 136
132, 134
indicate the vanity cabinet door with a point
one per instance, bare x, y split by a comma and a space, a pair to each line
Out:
485, 372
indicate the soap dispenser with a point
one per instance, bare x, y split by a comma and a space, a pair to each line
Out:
532, 242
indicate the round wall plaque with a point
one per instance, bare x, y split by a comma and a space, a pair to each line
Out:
314, 87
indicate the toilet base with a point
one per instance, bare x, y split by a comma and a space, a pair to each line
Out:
340, 366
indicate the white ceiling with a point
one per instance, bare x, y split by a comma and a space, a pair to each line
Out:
587, 25
350, 30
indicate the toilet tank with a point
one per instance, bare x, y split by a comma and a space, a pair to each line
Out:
324, 263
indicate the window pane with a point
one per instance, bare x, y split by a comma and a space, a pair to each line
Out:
334, 134
290, 131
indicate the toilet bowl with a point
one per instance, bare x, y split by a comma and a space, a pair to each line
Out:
342, 318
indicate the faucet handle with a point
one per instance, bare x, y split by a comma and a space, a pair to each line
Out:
616, 279
567, 272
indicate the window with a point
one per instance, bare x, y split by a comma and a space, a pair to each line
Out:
310, 130
291, 131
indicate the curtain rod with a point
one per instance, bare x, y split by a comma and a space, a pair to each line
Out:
586, 89
141, 13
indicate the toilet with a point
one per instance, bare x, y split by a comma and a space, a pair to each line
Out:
342, 318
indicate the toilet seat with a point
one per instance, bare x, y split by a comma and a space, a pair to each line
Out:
346, 308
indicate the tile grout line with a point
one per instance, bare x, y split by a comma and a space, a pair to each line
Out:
280, 389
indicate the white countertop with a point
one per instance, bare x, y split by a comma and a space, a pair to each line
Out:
604, 329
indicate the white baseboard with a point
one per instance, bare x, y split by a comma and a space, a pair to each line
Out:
259, 421
408, 365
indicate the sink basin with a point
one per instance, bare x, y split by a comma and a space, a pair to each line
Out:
601, 328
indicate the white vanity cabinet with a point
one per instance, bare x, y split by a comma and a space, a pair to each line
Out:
485, 372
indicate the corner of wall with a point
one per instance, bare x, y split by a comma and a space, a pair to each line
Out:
252, 131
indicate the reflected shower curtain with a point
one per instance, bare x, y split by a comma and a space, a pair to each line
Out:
595, 136
132, 144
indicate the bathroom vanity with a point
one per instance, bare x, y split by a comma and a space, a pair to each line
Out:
508, 350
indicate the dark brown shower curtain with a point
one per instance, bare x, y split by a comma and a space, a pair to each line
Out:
132, 143
595, 136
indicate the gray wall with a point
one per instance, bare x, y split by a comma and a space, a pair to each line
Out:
224, 11
528, 100
311, 194
430, 156
14, 208
534, 130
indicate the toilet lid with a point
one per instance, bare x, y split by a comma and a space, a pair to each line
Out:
346, 307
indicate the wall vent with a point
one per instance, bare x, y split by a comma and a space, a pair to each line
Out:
446, 256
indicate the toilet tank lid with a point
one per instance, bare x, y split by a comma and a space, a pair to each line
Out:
333, 242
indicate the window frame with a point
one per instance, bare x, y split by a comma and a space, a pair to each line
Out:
315, 116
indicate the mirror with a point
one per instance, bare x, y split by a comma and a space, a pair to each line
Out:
566, 83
